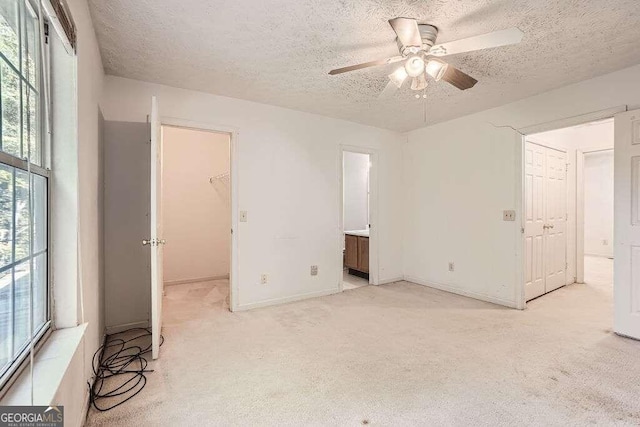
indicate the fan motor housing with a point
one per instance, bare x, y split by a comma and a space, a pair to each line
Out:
428, 33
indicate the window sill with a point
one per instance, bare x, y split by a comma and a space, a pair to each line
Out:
50, 365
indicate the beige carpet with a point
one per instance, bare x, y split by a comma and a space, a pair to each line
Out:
398, 354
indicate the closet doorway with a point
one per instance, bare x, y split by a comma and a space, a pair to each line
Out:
196, 219
568, 208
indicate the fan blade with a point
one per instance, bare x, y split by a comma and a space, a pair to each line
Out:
407, 31
366, 65
485, 41
457, 78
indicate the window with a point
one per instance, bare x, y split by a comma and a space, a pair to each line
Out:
24, 243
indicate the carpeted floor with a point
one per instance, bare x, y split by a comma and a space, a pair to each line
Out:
398, 354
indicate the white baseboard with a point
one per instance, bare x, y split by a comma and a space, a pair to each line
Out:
92, 380
119, 328
387, 281
85, 409
276, 301
195, 280
453, 290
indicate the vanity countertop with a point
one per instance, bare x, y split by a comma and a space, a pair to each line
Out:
361, 233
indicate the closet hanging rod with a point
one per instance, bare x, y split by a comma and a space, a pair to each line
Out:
220, 177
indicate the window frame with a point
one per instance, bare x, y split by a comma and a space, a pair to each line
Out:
12, 370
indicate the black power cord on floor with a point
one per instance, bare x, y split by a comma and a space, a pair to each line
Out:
119, 367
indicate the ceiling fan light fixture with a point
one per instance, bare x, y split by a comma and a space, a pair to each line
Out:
419, 55
436, 68
419, 82
398, 76
414, 65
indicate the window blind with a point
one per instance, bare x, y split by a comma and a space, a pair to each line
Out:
59, 16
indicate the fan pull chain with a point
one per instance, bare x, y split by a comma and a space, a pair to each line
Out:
424, 103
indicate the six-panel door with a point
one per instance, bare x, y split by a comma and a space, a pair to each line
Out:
534, 226
545, 219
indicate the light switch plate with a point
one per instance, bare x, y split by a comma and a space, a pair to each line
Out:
314, 270
509, 215
243, 216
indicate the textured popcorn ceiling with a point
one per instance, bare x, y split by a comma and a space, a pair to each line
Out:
279, 51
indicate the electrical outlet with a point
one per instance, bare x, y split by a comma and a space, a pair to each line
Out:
509, 215
452, 266
263, 279
243, 216
314, 270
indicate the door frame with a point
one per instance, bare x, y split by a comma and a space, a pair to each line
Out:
521, 137
374, 278
234, 135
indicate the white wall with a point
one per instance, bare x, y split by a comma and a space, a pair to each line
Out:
288, 168
86, 290
598, 203
196, 213
597, 135
460, 175
356, 191
90, 76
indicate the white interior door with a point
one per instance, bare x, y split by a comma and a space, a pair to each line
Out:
545, 214
555, 220
627, 224
534, 167
156, 242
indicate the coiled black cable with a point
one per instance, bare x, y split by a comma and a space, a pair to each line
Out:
119, 367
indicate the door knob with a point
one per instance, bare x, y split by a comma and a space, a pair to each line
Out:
153, 242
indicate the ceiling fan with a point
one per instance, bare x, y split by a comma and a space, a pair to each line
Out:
421, 54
